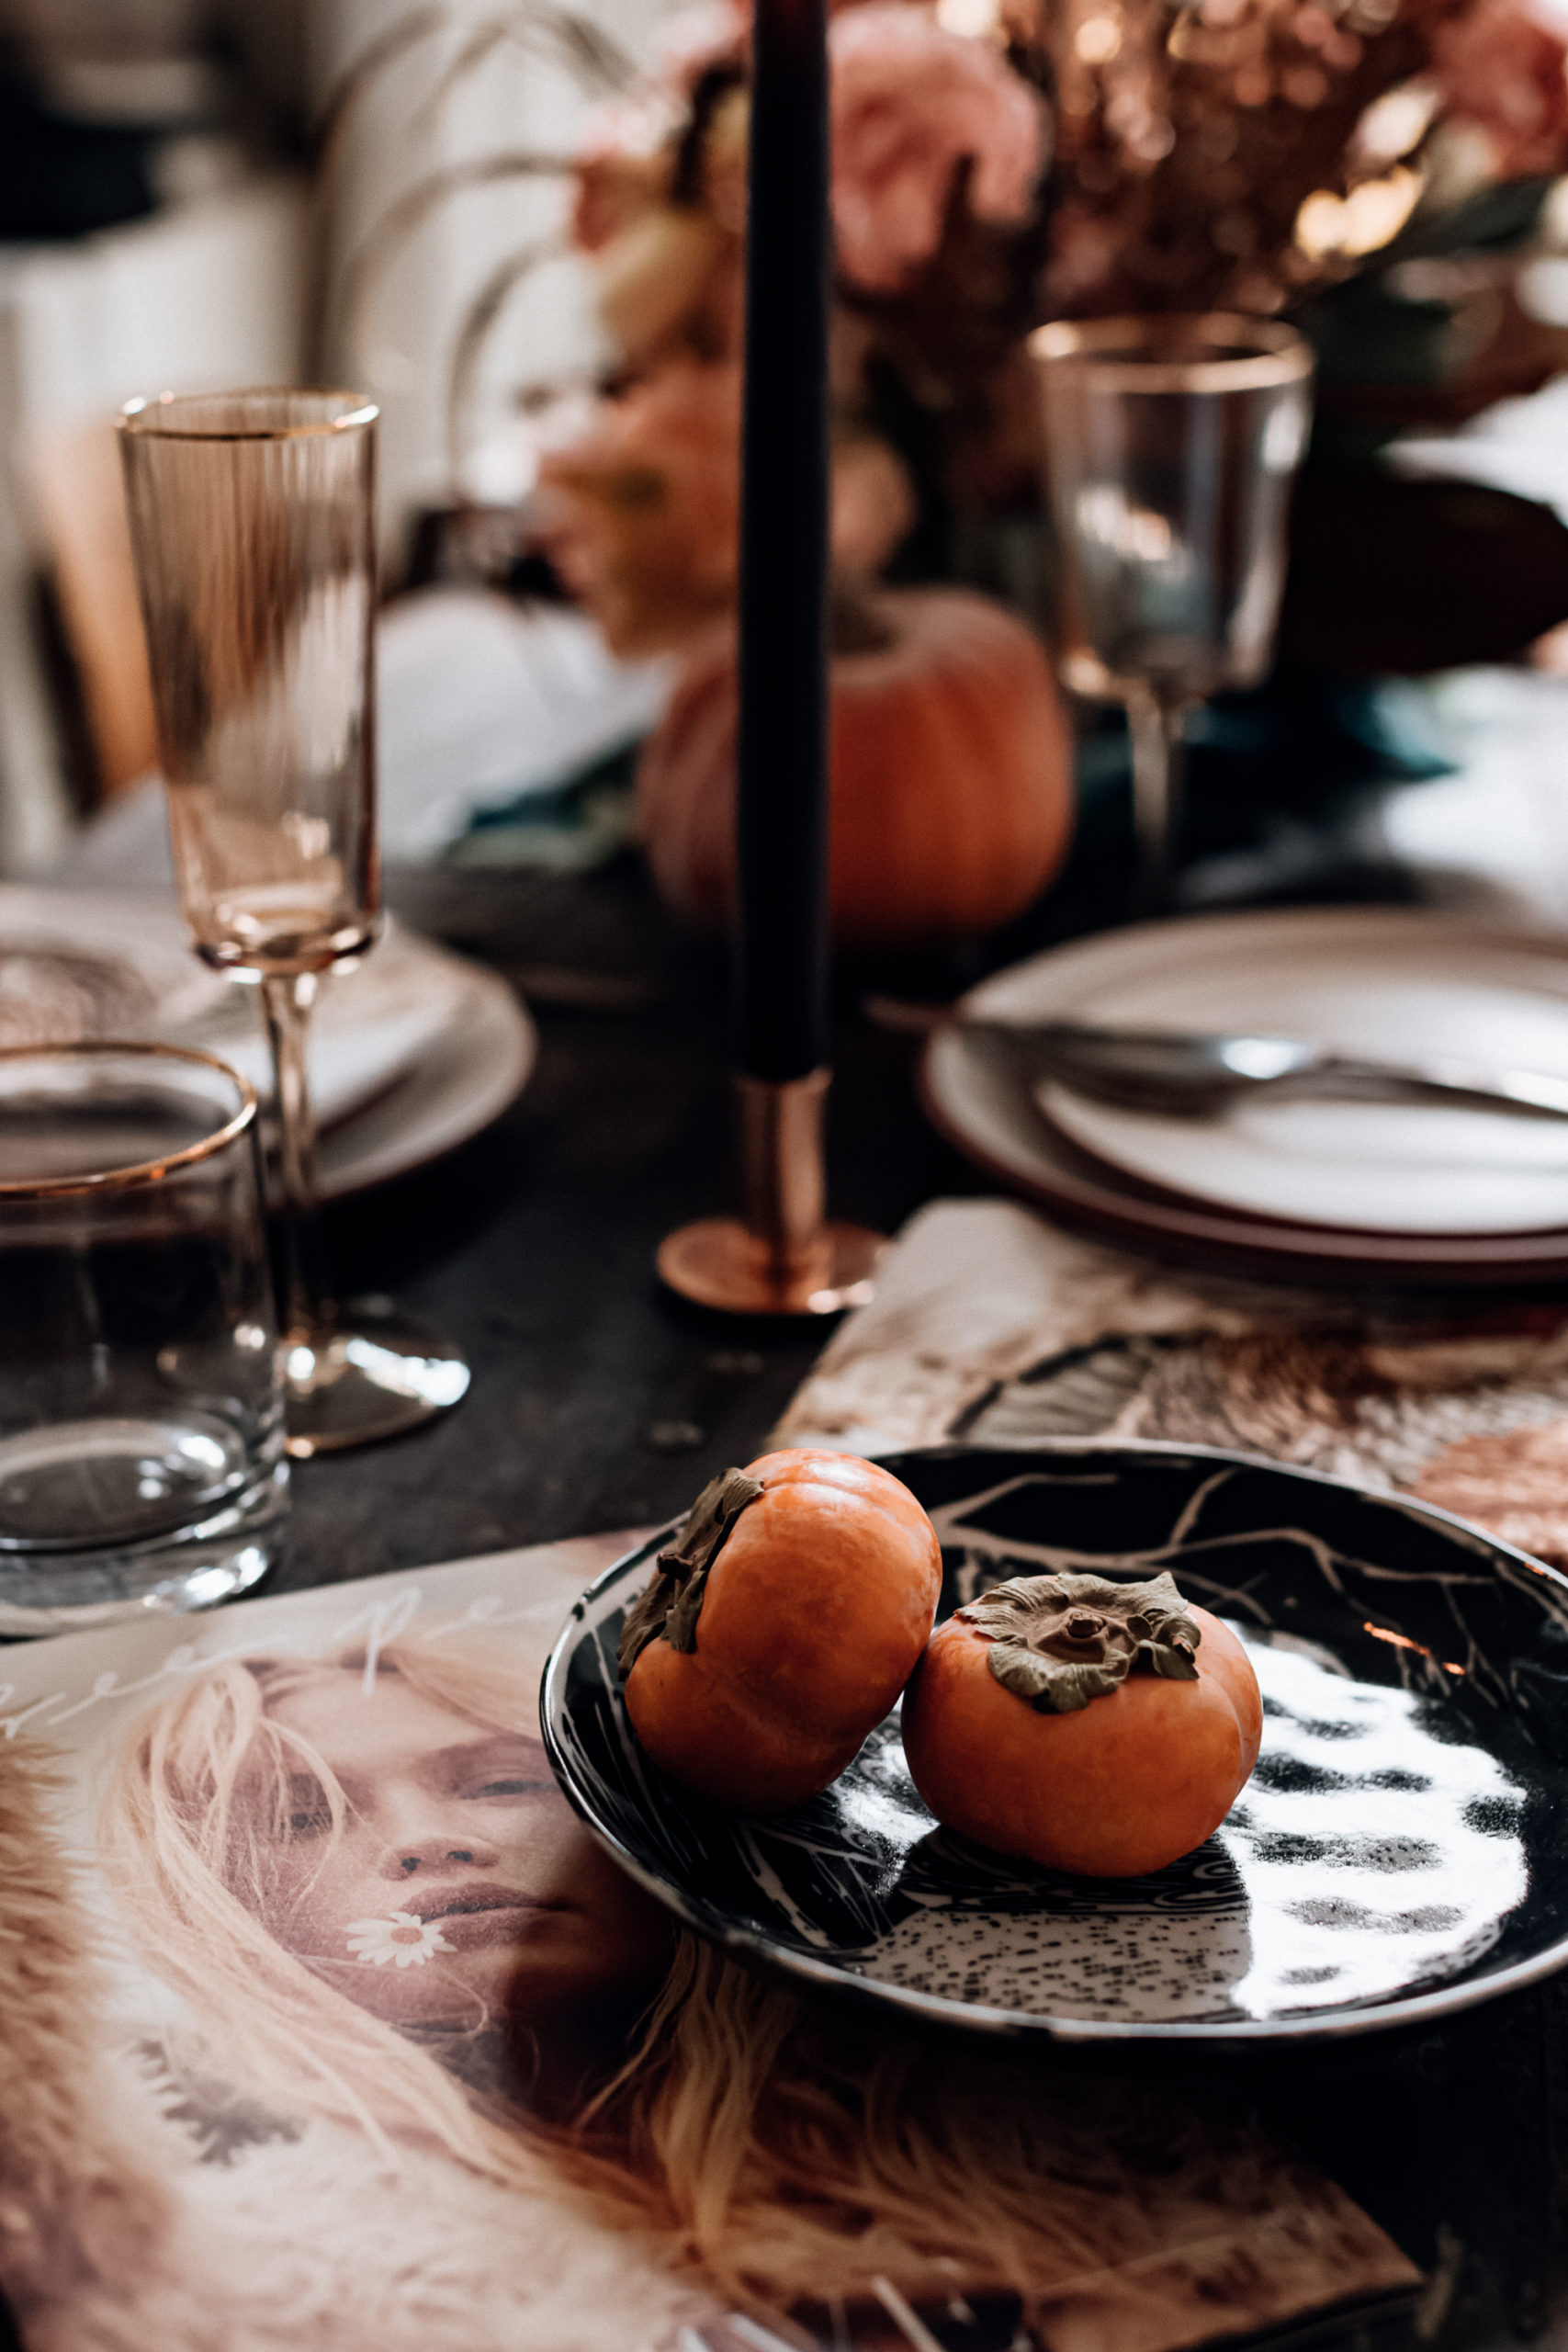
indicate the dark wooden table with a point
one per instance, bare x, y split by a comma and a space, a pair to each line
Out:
597, 1401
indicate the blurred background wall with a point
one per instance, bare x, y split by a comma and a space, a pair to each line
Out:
201, 192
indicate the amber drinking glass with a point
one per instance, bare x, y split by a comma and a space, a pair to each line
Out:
1171, 444
253, 523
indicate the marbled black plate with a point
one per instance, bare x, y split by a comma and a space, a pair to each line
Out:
1401, 1851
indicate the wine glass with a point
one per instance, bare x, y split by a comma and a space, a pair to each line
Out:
1170, 446
252, 524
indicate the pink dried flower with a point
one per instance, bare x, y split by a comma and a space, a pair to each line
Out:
1501, 66
910, 103
625, 161
874, 504
615, 188
643, 511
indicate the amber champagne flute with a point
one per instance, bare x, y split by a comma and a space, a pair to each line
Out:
1171, 447
253, 523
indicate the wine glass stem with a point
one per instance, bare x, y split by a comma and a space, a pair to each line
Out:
1158, 760
287, 999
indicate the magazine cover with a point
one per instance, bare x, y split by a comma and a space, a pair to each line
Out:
326, 2025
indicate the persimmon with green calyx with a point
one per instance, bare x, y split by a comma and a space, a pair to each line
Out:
780, 1626
1096, 1728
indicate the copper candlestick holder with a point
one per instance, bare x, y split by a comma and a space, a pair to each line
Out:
783, 1256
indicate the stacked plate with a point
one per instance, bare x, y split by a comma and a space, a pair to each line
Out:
1400, 1192
411, 1053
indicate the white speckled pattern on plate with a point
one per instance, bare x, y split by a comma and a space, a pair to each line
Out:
1402, 1848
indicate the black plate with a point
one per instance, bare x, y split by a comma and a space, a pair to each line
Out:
1401, 1851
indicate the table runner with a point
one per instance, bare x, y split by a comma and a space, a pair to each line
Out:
990, 1325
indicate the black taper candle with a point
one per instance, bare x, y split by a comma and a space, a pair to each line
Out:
783, 1257
781, 948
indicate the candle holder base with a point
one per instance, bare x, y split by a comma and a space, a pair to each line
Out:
721, 1263
783, 1257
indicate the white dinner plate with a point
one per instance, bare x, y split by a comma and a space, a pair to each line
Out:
1392, 987
411, 1051
446, 1095
1398, 1187
77, 964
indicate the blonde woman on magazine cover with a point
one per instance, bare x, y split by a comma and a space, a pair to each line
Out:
379, 1910
471, 2089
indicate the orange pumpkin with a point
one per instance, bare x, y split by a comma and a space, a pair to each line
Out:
780, 1627
953, 774
1095, 1727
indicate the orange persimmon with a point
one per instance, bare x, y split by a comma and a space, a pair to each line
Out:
1095, 1727
780, 1627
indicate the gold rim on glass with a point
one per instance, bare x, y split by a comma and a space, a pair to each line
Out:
143, 1172
1228, 353
155, 419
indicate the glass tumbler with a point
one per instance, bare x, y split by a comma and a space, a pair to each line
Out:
1170, 446
141, 1454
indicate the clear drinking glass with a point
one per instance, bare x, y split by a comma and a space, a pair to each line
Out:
141, 1442
1171, 444
253, 522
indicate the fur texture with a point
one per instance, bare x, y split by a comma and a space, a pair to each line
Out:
116, 2236
78, 2208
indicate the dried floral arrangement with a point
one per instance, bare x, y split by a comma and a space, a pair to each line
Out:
1239, 153
994, 162
997, 163
941, 149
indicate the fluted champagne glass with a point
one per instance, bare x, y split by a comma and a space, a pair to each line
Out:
1171, 447
252, 524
